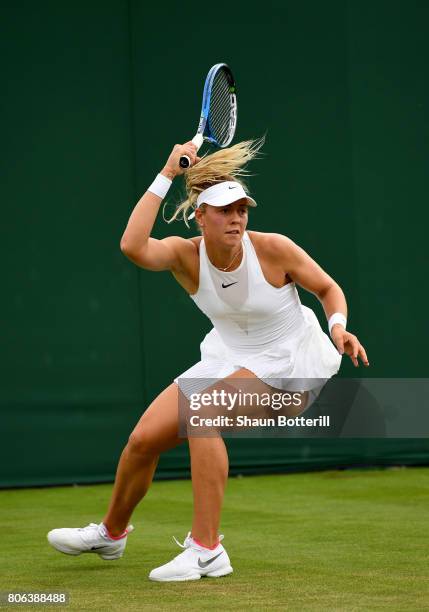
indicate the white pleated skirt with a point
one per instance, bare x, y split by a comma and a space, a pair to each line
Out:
302, 362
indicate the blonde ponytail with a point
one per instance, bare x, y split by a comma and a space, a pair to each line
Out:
223, 165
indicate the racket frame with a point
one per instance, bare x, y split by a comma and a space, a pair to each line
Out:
203, 132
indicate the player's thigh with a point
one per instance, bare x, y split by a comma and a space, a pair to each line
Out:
157, 428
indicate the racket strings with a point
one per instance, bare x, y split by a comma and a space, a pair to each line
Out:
221, 111
220, 108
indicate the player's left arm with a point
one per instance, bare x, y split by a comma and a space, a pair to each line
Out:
304, 271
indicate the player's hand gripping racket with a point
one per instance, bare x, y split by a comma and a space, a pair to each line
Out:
219, 111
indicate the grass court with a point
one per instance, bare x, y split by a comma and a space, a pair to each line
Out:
354, 540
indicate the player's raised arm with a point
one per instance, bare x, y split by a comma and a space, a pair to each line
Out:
136, 242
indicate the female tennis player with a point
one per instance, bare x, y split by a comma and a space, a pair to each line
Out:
245, 282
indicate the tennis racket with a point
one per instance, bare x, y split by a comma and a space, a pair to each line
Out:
219, 111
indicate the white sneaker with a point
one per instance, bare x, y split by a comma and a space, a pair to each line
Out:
90, 539
194, 562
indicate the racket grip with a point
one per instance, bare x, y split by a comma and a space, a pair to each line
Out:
198, 140
184, 162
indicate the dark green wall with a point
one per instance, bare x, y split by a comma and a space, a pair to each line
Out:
94, 96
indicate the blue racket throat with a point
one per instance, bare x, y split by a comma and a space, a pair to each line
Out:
218, 117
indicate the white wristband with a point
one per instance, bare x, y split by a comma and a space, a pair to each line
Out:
160, 186
337, 317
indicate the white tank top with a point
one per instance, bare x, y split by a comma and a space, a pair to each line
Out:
249, 314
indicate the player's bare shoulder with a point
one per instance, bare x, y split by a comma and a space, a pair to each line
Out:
271, 245
196, 240
188, 250
185, 249
193, 249
187, 273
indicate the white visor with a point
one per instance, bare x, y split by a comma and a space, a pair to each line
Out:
223, 194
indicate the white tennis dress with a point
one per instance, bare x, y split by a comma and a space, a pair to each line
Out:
259, 327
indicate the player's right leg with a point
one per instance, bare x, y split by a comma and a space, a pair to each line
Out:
156, 431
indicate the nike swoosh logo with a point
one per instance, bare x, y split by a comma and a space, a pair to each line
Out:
232, 187
97, 547
206, 563
225, 286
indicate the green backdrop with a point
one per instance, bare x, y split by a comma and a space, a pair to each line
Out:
94, 96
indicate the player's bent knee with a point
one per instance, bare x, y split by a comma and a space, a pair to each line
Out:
143, 443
